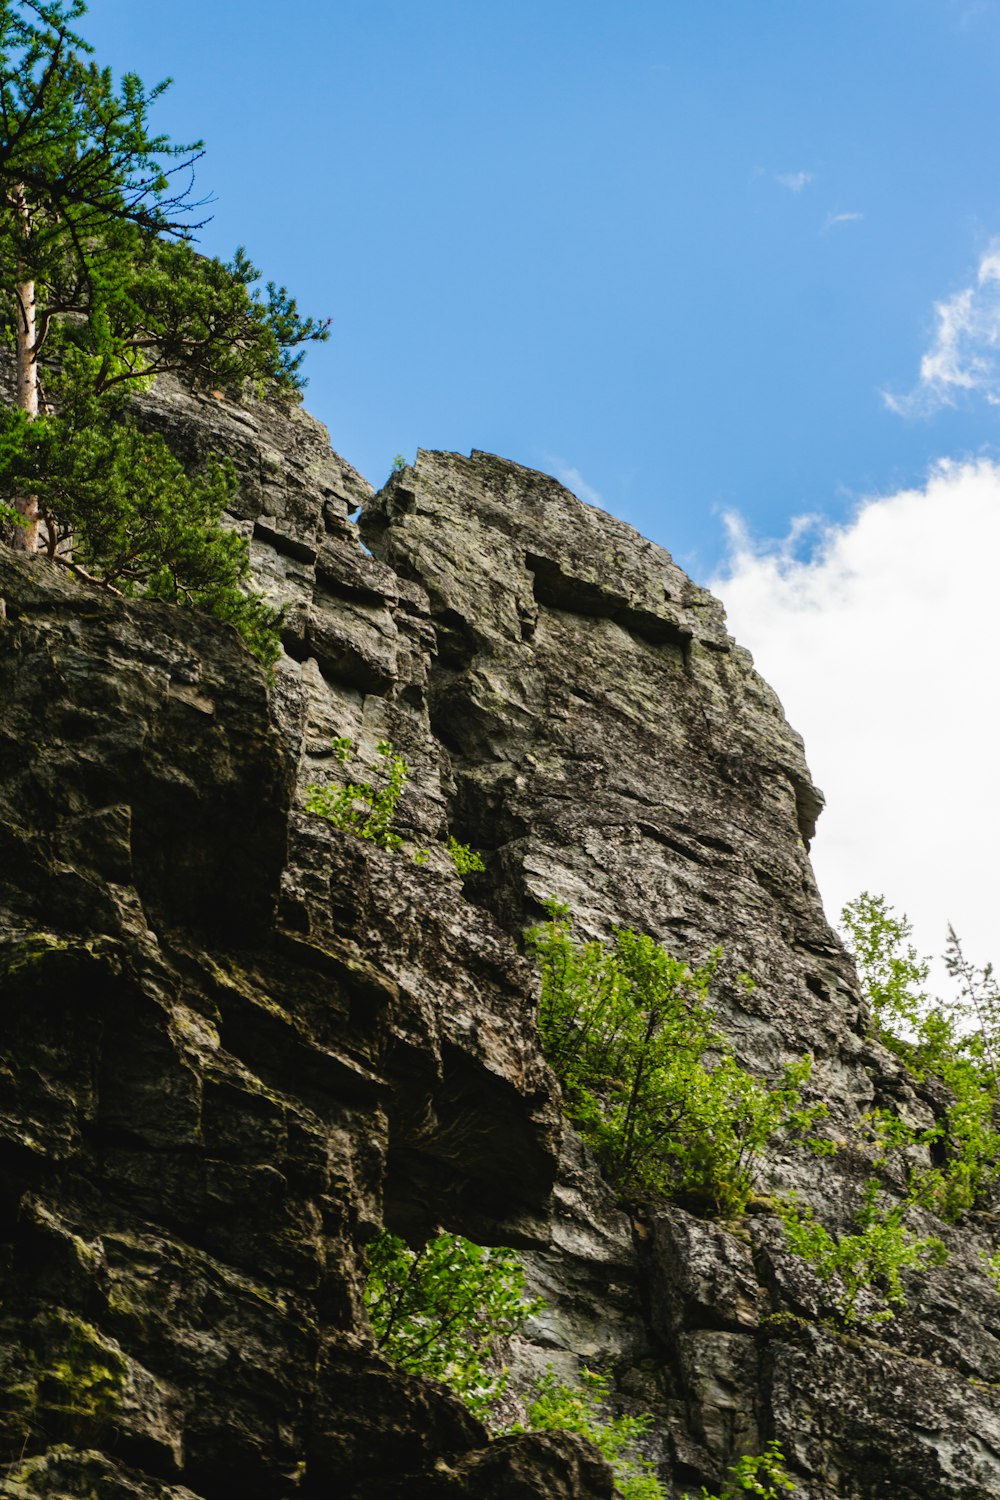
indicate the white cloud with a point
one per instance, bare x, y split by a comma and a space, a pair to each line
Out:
574, 480
881, 645
963, 355
794, 181
851, 217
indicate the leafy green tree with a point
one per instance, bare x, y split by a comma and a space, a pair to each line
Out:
954, 1042
760, 1474
979, 998
100, 289
441, 1310
647, 1076
872, 1258
892, 974
578, 1406
80, 177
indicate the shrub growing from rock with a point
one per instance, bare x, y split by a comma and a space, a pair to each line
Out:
648, 1078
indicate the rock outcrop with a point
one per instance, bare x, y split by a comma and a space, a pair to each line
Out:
234, 1041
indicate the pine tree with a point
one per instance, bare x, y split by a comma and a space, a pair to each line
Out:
94, 228
100, 287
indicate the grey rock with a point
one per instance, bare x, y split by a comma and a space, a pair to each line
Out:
235, 1042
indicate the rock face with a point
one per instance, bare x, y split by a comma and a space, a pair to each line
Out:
234, 1042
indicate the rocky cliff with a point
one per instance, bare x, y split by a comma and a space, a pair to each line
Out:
234, 1042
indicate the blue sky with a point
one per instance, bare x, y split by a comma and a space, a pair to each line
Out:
720, 267
677, 249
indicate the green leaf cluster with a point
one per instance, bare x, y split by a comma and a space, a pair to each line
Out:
467, 861
648, 1078
368, 808
979, 1000
101, 291
949, 1166
872, 1258
155, 306
956, 1042
76, 154
441, 1311
92, 215
136, 520
760, 1474
558, 1406
363, 808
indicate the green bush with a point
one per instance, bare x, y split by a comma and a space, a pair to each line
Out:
440, 1311
137, 520
648, 1079
892, 974
443, 1311
979, 1001
764, 1474
361, 807
872, 1258
560, 1407
466, 860
368, 810
956, 1043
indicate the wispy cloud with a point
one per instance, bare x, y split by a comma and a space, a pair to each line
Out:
850, 217
963, 354
794, 181
571, 477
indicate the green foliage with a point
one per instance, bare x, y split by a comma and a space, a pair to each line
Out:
398, 464
138, 521
762, 1474
947, 1166
443, 1312
93, 244
872, 1258
368, 809
560, 1407
992, 1263
361, 807
158, 307
647, 1077
77, 153
88, 209
465, 860
956, 1043
440, 1311
978, 999
892, 974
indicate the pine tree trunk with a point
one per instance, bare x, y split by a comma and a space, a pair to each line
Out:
25, 538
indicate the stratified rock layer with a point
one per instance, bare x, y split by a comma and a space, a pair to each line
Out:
234, 1041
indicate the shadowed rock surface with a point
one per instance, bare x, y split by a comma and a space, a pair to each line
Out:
235, 1042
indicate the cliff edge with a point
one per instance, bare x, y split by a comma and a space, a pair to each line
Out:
235, 1041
